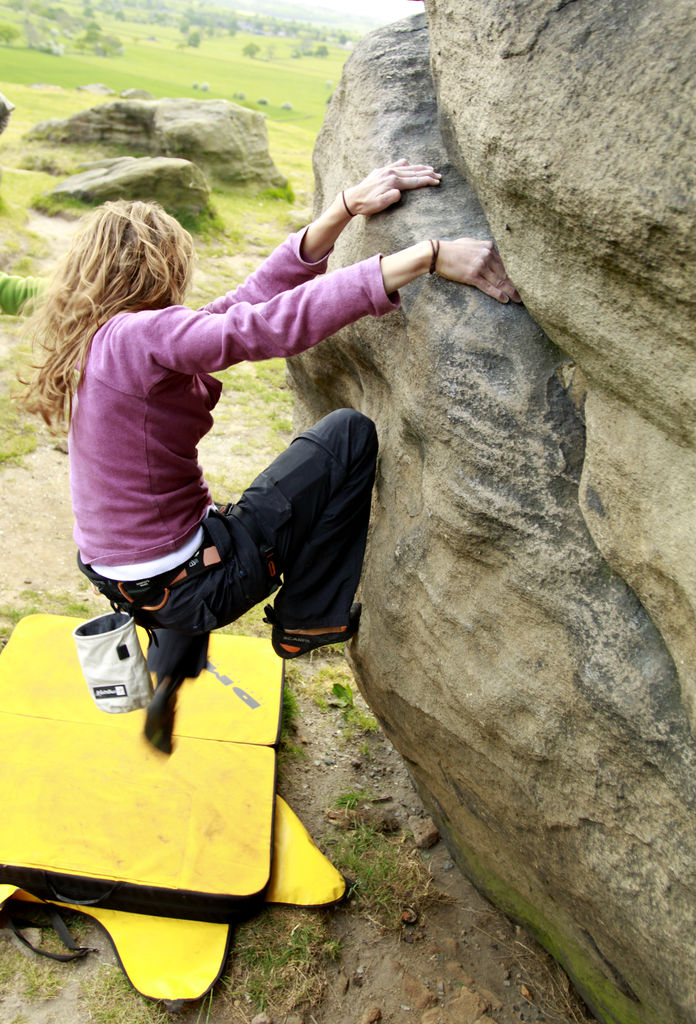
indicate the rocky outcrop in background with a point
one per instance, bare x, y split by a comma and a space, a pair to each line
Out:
540, 699
6, 108
178, 185
228, 142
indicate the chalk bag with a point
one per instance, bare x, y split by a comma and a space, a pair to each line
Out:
113, 663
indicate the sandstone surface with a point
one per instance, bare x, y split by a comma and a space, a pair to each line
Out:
178, 185
228, 142
528, 685
575, 124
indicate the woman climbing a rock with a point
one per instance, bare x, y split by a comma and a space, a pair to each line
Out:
128, 366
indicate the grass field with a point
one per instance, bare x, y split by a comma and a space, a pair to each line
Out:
164, 70
155, 57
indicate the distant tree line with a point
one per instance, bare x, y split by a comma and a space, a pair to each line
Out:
306, 49
44, 22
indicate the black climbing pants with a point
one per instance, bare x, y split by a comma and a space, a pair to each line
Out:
312, 507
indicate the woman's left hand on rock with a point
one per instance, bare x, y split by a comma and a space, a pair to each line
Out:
383, 186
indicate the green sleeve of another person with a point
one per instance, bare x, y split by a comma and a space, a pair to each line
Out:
14, 291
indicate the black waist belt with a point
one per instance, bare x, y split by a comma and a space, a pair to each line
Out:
152, 593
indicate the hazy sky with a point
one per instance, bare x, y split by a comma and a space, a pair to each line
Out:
378, 10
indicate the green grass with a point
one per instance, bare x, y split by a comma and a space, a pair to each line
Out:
387, 876
358, 722
279, 956
250, 624
352, 799
206, 224
36, 978
19, 188
163, 68
253, 383
289, 750
17, 433
332, 688
290, 714
42, 603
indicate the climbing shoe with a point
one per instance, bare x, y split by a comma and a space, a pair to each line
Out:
171, 658
287, 644
159, 719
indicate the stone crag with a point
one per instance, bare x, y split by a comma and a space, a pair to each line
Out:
522, 676
178, 185
228, 142
582, 150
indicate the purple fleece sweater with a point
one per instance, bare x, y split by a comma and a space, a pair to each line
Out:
146, 400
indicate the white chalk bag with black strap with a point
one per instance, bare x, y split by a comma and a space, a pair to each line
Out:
113, 663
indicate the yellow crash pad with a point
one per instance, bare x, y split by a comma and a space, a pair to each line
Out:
170, 959
93, 815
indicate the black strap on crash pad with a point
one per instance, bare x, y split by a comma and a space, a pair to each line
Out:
33, 917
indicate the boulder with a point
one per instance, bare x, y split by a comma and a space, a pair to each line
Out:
178, 185
582, 150
228, 142
531, 692
6, 108
136, 94
98, 88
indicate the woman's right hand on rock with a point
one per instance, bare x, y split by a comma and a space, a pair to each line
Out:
477, 263
469, 261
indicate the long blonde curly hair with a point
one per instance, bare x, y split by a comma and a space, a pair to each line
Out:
126, 256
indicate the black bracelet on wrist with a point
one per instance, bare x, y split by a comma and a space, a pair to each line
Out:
435, 245
348, 209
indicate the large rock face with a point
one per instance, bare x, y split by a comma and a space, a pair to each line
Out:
227, 141
581, 146
531, 691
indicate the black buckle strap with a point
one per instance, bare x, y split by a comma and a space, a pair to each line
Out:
265, 549
137, 592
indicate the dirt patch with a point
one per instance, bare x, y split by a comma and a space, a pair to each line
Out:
36, 529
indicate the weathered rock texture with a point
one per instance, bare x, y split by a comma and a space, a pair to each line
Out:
575, 124
530, 690
178, 185
227, 141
